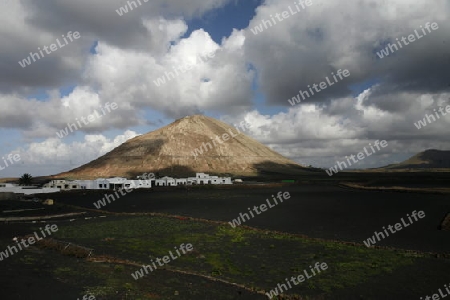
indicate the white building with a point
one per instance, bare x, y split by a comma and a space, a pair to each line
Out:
63, 185
165, 181
117, 183
202, 178
191, 180
9, 185
181, 181
86, 184
27, 190
101, 184
97, 184
139, 184
113, 183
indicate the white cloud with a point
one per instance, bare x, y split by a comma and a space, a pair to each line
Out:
331, 35
55, 155
319, 134
218, 82
135, 49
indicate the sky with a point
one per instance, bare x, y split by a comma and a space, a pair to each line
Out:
62, 61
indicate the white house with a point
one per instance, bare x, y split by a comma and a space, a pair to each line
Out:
138, 184
226, 180
117, 183
191, 180
62, 185
202, 178
8, 185
27, 190
97, 184
113, 183
101, 183
181, 181
85, 184
165, 181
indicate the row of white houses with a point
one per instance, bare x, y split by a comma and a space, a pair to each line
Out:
119, 182
112, 183
98, 184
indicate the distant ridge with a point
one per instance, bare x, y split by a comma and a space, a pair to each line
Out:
169, 151
429, 159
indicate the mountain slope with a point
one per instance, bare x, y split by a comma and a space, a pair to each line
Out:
429, 159
169, 151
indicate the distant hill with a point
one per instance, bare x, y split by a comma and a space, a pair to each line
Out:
429, 159
169, 151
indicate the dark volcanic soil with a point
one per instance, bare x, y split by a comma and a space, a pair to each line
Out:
317, 211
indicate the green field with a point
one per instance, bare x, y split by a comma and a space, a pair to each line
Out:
255, 259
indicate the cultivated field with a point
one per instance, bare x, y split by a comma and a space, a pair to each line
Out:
317, 224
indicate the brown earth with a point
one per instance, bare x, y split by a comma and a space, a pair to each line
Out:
170, 151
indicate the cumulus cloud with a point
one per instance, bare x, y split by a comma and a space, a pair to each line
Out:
128, 78
132, 52
54, 155
332, 35
133, 77
41, 119
30, 24
321, 133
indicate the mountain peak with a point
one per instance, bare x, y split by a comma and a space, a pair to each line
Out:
189, 145
428, 159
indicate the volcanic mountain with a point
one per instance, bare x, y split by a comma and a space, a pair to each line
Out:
171, 151
429, 159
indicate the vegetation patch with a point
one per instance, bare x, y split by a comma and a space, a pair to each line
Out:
257, 259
